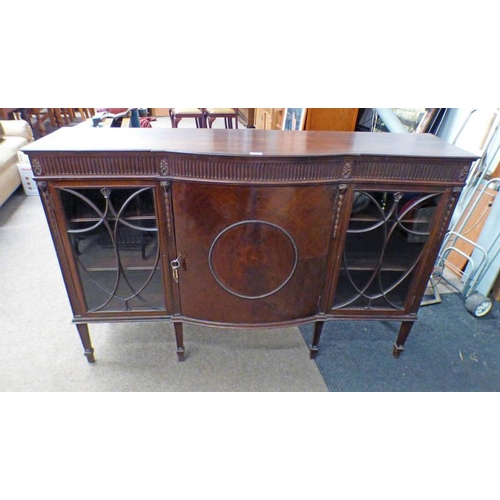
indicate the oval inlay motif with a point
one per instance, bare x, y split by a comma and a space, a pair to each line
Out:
253, 259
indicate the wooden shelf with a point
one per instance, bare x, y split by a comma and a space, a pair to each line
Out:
81, 220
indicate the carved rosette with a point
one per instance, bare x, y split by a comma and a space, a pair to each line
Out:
463, 173
36, 166
347, 170
164, 167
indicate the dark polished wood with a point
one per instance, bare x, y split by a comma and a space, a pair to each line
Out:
244, 142
404, 331
246, 228
88, 350
179, 338
318, 328
251, 253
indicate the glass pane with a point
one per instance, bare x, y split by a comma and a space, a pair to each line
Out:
385, 242
114, 236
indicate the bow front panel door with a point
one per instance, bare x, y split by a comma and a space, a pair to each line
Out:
252, 254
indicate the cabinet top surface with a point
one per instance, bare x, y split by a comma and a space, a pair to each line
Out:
245, 142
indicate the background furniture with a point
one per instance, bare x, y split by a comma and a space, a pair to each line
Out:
63, 116
229, 114
160, 112
335, 119
264, 229
246, 116
119, 117
14, 113
85, 113
4, 113
177, 114
14, 134
40, 116
268, 118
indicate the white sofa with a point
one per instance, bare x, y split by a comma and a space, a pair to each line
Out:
14, 134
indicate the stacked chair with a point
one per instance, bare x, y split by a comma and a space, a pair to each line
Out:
204, 117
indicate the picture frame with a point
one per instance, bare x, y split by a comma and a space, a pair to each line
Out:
294, 118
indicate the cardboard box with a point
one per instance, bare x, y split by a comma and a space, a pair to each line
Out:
24, 167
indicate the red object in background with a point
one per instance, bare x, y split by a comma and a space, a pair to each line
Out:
146, 121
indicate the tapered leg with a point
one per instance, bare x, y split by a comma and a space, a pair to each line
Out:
318, 328
83, 331
179, 338
404, 331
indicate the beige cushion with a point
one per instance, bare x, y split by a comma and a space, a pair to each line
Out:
17, 128
9, 146
9, 181
221, 111
7, 158
188, 111
15, 134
